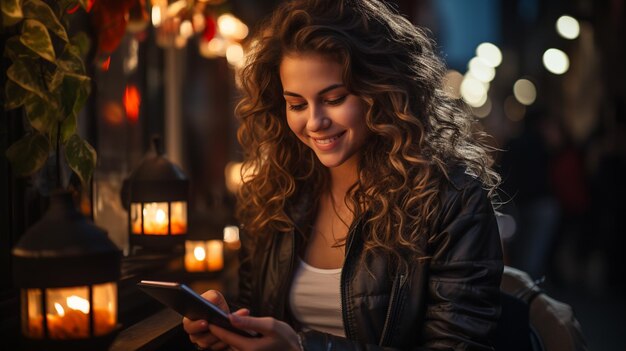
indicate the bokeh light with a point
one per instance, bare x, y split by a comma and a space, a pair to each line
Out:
132, 102
524, 91
556, 61
234, 54
473, 91
490, 53
186, 29
568, 27
481, 69
231, 27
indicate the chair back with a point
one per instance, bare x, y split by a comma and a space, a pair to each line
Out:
532, 320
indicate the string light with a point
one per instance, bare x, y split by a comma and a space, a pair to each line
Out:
524, 91
490, 53
556, 61
568, 27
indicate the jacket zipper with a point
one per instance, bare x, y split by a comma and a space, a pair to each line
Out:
393, 308
347, 328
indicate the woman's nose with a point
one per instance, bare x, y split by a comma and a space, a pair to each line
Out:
317, 119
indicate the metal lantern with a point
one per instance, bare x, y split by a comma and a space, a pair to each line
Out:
156, 195
67, 270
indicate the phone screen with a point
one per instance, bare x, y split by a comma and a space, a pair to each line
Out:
188, 303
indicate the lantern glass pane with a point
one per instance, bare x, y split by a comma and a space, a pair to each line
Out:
215, 255
104, 308
195, 256
156, 218
135, 217
179, 217
67, 312
32, 319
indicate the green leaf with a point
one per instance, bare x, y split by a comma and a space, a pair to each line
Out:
11, 12
70, 60
54, 79
74, 92
22, 73
14, 49
82, 42
68, 128
81, 157
35, 36
40, 114
15, 95
39, 10
28, 154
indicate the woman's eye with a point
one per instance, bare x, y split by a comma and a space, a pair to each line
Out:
336, 101
298, 107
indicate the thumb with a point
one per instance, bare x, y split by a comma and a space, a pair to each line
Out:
217, 299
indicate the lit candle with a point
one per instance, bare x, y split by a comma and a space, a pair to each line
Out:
195, 256
155, 216
231, 237
215, 255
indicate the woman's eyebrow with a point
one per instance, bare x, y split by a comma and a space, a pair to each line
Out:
323, 91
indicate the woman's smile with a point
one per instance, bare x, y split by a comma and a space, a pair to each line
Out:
327, 143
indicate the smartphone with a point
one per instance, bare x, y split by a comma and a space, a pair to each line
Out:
188, 303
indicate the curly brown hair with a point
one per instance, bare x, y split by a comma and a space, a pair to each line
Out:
417, 131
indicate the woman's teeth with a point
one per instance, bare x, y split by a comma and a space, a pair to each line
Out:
328, 140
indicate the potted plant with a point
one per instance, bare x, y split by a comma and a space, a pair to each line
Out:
48, 80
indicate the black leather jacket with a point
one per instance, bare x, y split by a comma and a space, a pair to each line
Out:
446, 300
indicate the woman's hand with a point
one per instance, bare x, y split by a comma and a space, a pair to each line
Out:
276, 335
199, 332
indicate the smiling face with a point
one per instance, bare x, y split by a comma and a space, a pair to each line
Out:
321, 112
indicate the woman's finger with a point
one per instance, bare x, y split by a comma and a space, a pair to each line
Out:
242, 312
217, 299
263, 325
195, 327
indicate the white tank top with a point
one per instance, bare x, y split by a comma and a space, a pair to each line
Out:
315, 298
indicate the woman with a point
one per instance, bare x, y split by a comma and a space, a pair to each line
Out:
367, 219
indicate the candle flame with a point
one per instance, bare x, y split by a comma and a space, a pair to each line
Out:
59, 308
160, 216
78, 303
199, 253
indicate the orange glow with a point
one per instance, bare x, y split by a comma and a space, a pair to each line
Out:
73, 9
156, 218
204, 256
113, 113
105, 64
68, 312
132, 101
72, 324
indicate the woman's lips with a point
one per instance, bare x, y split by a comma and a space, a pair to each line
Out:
327, 143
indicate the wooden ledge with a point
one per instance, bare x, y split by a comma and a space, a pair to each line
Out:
150, 333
